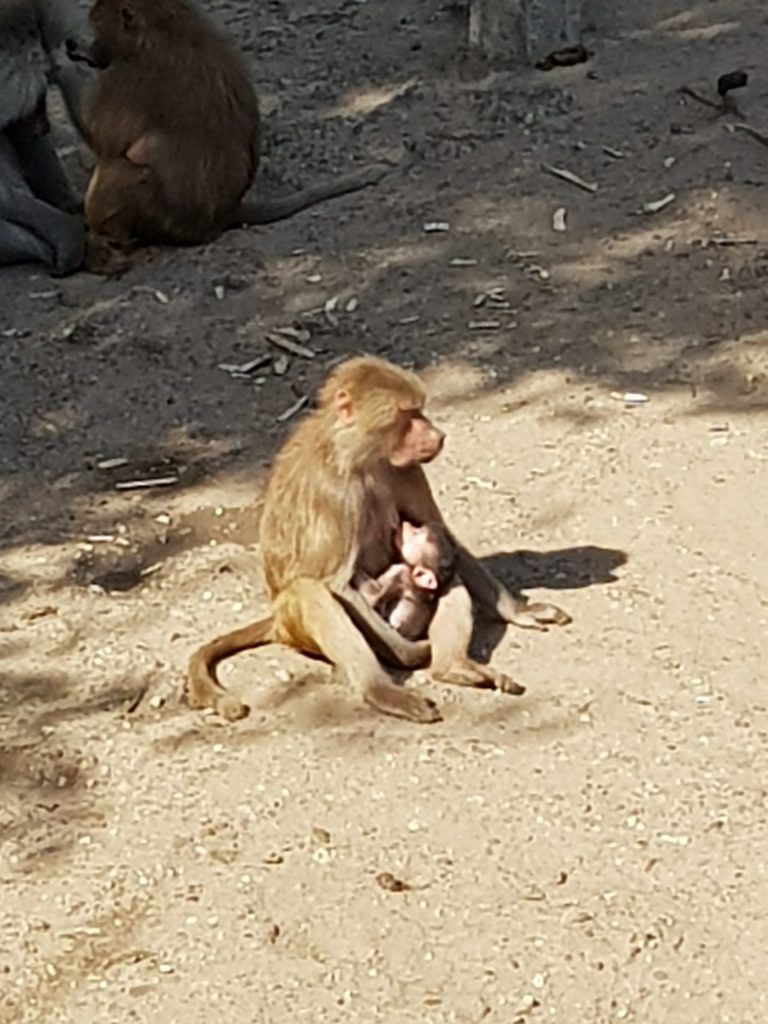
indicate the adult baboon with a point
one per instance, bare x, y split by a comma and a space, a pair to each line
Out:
174, 123
38, 221
348, 476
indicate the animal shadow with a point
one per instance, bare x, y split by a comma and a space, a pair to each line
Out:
565, 569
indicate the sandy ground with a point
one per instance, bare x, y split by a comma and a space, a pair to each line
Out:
592, 852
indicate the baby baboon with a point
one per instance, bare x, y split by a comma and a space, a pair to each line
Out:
406, 594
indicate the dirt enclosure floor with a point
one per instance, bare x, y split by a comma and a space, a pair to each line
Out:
594, 851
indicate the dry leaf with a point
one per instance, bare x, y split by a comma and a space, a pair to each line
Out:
388, 881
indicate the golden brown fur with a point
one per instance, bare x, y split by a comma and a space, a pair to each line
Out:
322, 474
340, 485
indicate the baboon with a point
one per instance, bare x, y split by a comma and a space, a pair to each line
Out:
38, 219
173, 121
406, 593
339, 488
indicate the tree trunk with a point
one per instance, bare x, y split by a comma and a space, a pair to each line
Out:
510, 30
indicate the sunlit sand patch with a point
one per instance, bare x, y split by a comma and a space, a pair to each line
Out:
361, 102
708, 32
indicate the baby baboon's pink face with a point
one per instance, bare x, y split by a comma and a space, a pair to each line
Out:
419, 550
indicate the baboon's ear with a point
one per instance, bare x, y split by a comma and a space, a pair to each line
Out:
342, 403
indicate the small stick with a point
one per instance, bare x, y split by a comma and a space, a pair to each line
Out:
727, 104
290, 346
293, 409
569, 176
138, 697
134, 485
688, 90
760, 137
725, 241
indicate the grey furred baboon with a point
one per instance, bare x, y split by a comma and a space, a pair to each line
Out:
38, 218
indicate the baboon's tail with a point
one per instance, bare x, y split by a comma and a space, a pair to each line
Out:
266, 211
203, 689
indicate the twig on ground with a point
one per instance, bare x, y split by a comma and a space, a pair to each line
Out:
688, 90
726, 105
570, 177
759, 136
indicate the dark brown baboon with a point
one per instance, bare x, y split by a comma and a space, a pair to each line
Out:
174, 123
37, 208
339, 488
